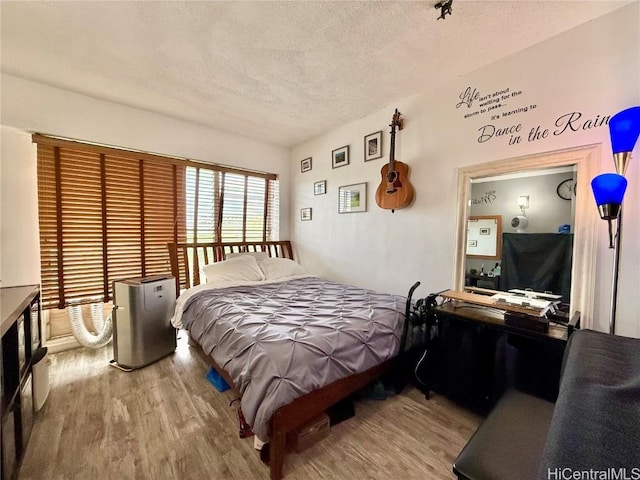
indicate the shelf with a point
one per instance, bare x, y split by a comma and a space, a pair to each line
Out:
13, 303
20, 337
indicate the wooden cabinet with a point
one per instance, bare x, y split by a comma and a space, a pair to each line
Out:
20, 328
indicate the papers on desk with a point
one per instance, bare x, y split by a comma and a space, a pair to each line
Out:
503, 301
519, 300
532, 294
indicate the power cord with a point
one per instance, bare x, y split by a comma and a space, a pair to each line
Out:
415, 372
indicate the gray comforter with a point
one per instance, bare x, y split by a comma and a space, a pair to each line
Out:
279, 341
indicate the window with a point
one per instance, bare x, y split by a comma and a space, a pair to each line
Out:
230, 207
108, 214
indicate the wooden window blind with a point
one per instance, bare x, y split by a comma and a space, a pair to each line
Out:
107, 214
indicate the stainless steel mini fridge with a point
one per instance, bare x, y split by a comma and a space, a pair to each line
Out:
142, 330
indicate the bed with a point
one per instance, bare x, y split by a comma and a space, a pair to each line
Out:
291, 345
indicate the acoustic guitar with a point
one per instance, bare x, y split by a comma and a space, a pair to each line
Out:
395, 191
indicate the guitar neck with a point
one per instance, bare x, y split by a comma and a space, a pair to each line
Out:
392, 151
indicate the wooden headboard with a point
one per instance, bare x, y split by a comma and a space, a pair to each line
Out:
188, 258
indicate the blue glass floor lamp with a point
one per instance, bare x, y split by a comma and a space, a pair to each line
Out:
609, 188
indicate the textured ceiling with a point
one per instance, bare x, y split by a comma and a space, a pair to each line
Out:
278, 71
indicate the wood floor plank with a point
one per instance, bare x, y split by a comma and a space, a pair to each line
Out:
166, 421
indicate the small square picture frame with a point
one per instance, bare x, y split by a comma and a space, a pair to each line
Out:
352, 198
340, 157
373, 146
305, 214
305, 165
320, 187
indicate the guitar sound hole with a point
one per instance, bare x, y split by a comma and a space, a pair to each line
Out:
391, 177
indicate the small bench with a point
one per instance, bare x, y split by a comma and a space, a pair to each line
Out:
594, 424
509, 443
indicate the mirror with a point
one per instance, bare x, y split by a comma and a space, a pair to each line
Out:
585, 163
484, 237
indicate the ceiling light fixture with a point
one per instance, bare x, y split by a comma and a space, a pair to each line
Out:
445, 8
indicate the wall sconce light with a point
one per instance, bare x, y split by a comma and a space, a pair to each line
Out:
609, 188
523, 203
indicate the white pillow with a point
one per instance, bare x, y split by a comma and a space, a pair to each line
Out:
274, 268
240, 268
256, 255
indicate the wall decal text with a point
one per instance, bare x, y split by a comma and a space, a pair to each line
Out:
568, 122
496, 105
485, 198
473, 99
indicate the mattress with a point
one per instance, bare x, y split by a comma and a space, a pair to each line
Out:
281, 340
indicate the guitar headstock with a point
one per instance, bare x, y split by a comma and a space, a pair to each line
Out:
397, 120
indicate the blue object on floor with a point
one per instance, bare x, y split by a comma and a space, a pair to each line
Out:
216, 380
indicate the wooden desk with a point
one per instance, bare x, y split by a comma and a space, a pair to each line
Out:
476, 356
495, 319
20, 337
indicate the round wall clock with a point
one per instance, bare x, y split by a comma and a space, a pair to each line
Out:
565, 189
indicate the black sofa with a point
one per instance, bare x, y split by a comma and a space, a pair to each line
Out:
594, 425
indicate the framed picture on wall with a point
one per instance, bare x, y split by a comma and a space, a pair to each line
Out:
320, 188
340, 157
373, 146
484, 236
352, 198
305, 214
305, 165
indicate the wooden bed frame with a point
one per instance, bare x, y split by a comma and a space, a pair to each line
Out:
188, 258
301, 410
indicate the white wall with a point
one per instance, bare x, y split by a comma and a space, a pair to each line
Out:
593, 69
33, 107
19, 235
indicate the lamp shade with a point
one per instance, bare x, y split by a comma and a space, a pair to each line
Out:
609, 188
624, 128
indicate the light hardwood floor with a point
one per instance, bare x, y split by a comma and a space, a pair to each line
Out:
166, 421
